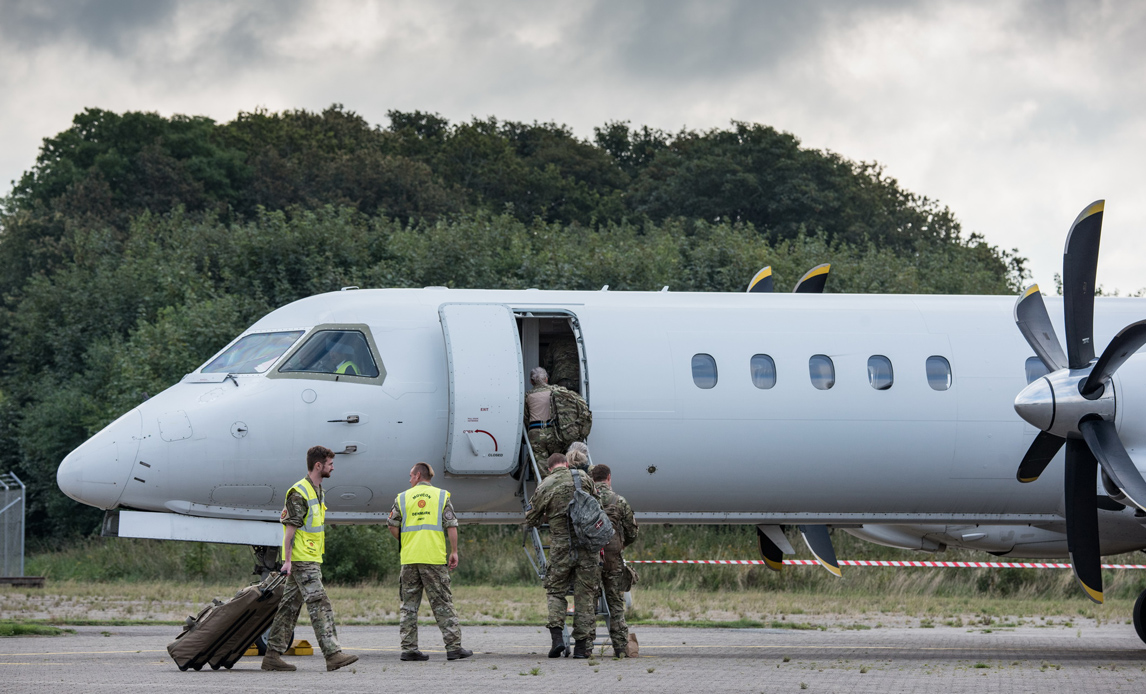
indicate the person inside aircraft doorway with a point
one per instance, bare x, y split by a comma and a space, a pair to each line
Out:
539, 419
421, 520
304, 542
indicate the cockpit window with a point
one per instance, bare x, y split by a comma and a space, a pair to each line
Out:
253, 354
340, 352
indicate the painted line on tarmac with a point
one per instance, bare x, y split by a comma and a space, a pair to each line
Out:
14, 655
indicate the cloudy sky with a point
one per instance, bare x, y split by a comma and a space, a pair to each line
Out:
1015, 114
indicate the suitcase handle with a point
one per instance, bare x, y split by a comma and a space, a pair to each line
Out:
271, 583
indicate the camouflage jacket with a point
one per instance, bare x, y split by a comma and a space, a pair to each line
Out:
562, 362
550, 502
294, 512
628, 527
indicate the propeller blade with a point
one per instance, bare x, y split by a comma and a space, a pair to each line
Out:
761, 281
820, 542
1035, 325
1079, 267
1081, 490
770, 551
1038, 456
1102, 438
813, 280
1126, 342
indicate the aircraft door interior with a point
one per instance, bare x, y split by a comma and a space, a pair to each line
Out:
553, 340
487, 391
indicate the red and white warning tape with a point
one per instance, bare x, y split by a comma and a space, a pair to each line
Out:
874, 562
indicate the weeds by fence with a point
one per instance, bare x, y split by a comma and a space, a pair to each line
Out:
492, 555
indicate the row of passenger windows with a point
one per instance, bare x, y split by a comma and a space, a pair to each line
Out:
822, 371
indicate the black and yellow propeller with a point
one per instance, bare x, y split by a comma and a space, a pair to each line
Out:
812, 282
1074, 404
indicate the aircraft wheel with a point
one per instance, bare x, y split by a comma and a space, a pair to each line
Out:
1140, 616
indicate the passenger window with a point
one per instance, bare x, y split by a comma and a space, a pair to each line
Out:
253, 354
341, 352
1036, 369
938, 373
879, 373
763, 371
822, 371
703, 371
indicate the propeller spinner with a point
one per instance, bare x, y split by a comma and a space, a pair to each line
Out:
1075, 403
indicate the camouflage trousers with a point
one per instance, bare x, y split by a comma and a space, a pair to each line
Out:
611, 582
544, 443
434, 579
304, 585
583, 574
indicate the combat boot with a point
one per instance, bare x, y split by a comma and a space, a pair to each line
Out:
273, 660
339, 659
414, 656
620, 652
459, 653
582, 648
558, 635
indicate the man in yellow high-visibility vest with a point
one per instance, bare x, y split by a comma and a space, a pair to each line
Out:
304, 541
421, 520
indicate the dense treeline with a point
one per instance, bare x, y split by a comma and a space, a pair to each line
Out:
138, 245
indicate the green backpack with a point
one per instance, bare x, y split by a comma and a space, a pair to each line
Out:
571, 414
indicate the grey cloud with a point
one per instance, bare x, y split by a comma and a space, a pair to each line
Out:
679, 40
116, 27
107, 25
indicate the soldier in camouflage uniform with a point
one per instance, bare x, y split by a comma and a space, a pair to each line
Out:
613, 573
567, 563
563, 363
539, 420
303, 544
422, 518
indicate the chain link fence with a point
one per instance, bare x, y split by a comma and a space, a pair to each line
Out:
11, 525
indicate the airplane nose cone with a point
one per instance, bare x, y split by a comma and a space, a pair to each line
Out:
97, 471
1036, 404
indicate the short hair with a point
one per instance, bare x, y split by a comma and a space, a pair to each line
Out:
538, 376
600, 473
555, 459
424, 471
316, 455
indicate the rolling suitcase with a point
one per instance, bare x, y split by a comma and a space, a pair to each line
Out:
222, 631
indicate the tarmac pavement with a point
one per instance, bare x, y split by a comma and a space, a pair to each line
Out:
1106, 658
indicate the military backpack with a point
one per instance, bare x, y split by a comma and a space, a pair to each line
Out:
571, 415
591, 528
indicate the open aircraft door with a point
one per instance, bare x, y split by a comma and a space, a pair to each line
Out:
487, 389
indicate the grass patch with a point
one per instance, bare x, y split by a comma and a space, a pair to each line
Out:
23, 629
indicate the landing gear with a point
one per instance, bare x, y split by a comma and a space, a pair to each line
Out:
266, 560
1140, 616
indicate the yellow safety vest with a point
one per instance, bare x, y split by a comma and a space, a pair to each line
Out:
310, 539
347, 366
423, 535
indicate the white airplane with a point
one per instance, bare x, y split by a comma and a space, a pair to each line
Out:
894, 418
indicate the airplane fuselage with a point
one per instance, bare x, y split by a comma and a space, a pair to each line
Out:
928, 449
